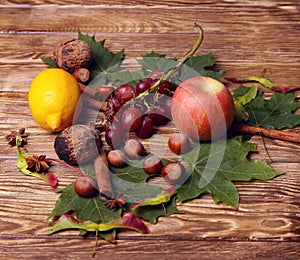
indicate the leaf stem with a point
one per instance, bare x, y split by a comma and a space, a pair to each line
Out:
266, 149
188, 55
80, 173
275, 134
96, 243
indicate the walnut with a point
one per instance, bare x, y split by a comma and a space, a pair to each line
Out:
77, 144
73, 54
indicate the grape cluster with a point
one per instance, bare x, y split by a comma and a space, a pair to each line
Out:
137, 109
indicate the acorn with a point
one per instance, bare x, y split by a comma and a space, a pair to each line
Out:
72, 54
77, 144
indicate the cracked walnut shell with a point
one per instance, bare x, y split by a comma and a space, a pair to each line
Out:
73, 54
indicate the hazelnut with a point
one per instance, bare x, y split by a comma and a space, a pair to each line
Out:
174, 173
116, 158
134, 149
152, 165
73, 54
179, 143
77, 144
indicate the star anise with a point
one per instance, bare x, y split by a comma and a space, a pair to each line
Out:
37, 163
11, 138
114, 203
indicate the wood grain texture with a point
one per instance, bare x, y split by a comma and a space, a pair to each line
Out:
246, 37
141, 247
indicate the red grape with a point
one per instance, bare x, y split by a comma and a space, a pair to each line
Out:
158, 115
114, 103
124, 92
115, 135
131, 118
145, 130
142, 86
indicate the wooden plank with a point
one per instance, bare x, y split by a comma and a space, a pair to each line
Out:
30, 48
237, 57
67, 248
145, 19
170, 3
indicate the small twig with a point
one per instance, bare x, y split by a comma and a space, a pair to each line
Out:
275, 134
285, 90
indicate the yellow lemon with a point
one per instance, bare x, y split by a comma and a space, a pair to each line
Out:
54, 99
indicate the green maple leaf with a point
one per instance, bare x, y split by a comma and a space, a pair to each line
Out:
133, 192
276, 113
104, 62
156, 61
50, 62
195, 66
214, 167
130, 173
201, 65
241, 101
153, 61
129, 77
146, 201
164, 204
91, 209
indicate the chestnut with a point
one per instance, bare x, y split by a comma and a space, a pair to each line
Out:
152, 165
134, 149
116, 158
179, 143
86, 186
174, 173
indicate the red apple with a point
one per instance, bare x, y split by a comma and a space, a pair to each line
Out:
202, 108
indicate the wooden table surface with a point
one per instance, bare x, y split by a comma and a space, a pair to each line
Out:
247, 37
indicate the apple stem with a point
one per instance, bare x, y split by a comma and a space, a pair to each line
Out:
188, 55
240, 128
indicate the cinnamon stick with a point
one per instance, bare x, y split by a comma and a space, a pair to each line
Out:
103, 175
275, 134
90, 92
101, 93
105, 91
93, 103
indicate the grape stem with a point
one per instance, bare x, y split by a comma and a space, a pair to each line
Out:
188, 55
